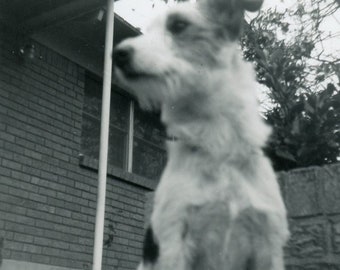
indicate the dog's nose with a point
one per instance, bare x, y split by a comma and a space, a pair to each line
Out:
122, 56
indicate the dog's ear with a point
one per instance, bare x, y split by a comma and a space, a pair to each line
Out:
252, 5
228, 15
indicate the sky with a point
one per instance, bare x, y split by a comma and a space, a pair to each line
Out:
140, 12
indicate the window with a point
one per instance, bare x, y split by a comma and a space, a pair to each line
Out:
148, 157
136, 139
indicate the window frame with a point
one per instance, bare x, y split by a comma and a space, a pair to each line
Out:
126, 172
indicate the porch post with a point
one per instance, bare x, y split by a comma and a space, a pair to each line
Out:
104, 139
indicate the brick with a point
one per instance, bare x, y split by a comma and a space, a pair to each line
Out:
88, 211
4, 189
80, 248
63, 212
14, 246
38, 197
80, 201
49, 177
24, 160
18, 115
50, 251
47, 192
32, 154
82, 186
14, 209
56, 202
27, 230
23, 177
16, 132
61, 156
13, 147
18, 218
20, 194
25, 143
64, 196
89, 196
74, 192
38, 258
34, 172
11, 164
79, 216
60, 262
21, 256
2, 126
49, 75
3, 109
62, 236
5, 171
45, 225
85, 241
46, 208
73, 207
37, 214
23, 238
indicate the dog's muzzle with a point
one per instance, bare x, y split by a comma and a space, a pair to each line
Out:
122, 58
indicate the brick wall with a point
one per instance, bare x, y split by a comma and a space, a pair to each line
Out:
47, 200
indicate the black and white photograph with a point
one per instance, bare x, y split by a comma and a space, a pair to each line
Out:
169, 135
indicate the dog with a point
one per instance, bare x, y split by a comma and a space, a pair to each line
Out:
218, 204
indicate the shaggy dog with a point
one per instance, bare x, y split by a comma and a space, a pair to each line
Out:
218, 205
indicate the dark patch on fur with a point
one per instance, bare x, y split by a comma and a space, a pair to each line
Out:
150, 248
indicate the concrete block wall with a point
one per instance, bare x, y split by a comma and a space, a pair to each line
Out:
312, 197
47, 197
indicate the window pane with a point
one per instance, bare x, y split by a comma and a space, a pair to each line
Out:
148, 160
119, 123
147, 126
93, 97
118, 143
119, 113
90, 136
149, 155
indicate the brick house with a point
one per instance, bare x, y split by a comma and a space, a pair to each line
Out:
51, 58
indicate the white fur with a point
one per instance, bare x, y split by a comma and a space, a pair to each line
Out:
217, 160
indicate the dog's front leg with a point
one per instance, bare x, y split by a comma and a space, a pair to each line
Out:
169, 250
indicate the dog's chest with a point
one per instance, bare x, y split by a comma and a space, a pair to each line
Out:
181, 191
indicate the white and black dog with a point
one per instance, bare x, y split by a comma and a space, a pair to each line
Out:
218, 205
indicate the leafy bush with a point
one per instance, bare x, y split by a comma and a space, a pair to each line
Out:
309, 134
302, 83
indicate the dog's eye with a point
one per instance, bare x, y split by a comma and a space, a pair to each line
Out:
177, 26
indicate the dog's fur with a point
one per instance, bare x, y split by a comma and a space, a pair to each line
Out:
218, 205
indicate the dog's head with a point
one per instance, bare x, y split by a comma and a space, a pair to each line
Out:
180, 48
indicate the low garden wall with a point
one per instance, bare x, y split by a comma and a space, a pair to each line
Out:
312, 197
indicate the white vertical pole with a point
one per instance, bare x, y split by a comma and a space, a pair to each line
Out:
104, 139
130, 136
